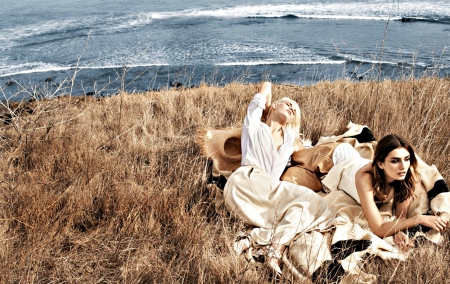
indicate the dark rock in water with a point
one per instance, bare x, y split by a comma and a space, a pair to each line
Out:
290, 16
357, 77
407, 19
90, 94
176, 84
49, 80
9, 83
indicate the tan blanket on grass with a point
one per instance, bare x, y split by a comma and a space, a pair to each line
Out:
337, 254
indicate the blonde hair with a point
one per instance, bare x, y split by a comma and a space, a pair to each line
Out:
294, 124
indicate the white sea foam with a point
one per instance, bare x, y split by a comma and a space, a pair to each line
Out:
126, 22
373, 10
40, 67
28, 68
372, 60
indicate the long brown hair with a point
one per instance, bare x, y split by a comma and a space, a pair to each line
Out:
403, 189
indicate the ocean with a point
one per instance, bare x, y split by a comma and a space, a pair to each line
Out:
99, 47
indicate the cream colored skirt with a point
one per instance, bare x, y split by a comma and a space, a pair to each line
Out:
278, 210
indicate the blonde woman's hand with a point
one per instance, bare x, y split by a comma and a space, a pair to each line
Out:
403, 241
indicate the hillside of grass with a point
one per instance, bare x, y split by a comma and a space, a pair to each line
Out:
112, 190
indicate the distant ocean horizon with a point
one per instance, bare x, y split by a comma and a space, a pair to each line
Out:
101, 47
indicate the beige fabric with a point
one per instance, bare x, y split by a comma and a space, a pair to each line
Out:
222, 147
279, 210
366, 150
352, 130
308, 251
350, 224
310, 165
342, 176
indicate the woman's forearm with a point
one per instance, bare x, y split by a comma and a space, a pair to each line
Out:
266, 91
390, 228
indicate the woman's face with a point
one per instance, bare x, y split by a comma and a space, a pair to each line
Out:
287, 109
396, 164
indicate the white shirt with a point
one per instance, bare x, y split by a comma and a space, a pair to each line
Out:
258, 147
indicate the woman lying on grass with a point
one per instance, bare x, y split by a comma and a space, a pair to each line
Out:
391, 175
276, 211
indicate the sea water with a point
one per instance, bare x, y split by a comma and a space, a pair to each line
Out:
98, 47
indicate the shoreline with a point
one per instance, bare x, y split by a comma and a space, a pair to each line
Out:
109, 81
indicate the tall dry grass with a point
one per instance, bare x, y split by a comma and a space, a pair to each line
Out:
112, 190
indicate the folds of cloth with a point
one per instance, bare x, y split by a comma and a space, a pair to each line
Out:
278, 210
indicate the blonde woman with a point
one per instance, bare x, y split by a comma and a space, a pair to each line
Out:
275, 210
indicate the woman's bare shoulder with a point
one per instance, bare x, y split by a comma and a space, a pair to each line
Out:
364, 178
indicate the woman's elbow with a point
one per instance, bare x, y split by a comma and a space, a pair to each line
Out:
265, 88
379, 232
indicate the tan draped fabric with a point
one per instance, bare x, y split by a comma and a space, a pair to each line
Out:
310, 165
279, 210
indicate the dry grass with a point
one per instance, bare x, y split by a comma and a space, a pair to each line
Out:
112, 190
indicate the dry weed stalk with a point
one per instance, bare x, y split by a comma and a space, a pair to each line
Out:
113, 190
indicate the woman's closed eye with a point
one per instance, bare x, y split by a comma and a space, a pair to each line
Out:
290, 106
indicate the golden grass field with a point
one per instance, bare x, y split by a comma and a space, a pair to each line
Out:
112, 190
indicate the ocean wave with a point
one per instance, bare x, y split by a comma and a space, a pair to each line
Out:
29, 68
431, 11
373, 61
437, 11
30, 30
40, 67
11, 37
359, 59
410, 19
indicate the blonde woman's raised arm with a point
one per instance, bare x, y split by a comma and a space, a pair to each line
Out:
266, 91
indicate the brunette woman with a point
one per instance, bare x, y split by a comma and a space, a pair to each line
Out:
391, 176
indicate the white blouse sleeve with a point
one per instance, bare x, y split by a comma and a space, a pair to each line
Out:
255, 110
